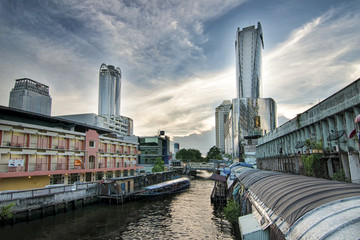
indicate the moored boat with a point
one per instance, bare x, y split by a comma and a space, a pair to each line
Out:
164, 188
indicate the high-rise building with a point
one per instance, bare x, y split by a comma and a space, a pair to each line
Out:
109, 90
250, 116
248, 48
32, 96
108, 106
221, 115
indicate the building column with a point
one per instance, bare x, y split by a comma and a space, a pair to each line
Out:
330, 168
349, 126
340, 126
331, 130
354, 165
345, 164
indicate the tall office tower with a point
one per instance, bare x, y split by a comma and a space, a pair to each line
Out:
31, 96
109, 90
248, 47
221, 115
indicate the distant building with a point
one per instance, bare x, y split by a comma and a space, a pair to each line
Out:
38, 150
122, 125
151, 148
176, 148
108, 106
221, 114
109, 90
32, 96
248, 49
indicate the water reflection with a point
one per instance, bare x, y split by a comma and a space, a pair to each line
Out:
188, 215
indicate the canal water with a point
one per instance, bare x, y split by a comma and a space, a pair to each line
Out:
187, 215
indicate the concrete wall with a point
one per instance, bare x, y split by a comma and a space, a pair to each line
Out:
330, 122
46, 201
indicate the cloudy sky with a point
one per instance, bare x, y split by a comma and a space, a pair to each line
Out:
177, 57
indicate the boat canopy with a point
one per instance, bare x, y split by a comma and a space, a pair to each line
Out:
167, 183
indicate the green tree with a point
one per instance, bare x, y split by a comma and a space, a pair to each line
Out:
158, 166
214, 153
232, 211
189, 155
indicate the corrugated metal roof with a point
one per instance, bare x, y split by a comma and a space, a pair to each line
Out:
305, 207
291, 196
336, 220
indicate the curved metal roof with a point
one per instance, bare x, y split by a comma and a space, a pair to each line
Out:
292, 196
336, 220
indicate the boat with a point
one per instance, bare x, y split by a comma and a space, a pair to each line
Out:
165, 188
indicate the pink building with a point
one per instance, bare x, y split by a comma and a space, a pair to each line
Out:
38, 150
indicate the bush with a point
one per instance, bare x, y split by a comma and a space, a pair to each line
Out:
6, 212
313, 166
340, 176
232, 211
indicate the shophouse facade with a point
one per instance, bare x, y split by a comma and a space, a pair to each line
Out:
38, 150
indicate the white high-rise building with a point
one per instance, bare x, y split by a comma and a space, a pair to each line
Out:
109, 90
248, 48
221, 115
31, 96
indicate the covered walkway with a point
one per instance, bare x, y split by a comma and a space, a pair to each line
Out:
300, 207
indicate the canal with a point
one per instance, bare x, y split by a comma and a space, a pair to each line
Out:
187, 215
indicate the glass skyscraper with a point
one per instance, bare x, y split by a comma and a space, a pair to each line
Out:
250, 116
221, 115
248, 48
109, 90
31, 96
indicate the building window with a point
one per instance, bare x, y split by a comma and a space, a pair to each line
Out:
92, 144
74, 177
99, 176
57, 179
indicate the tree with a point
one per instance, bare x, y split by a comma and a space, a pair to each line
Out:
189, 155
232, 211
158, 166
214, 153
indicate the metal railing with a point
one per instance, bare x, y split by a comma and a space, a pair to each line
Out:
14, 195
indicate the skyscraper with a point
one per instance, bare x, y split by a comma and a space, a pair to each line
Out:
31, 96
109, 90
248, 48
250, 116
221, 115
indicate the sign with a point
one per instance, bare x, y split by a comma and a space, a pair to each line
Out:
16, 162
77, 162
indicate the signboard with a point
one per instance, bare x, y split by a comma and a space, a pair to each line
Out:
16, 162
77, 162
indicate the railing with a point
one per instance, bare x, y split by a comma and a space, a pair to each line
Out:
14, 195
209, 166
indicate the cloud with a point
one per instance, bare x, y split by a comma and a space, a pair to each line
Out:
157, 44
179, 108
316, 60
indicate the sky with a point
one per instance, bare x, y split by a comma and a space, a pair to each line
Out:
177, 57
